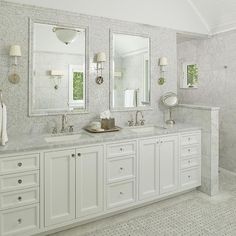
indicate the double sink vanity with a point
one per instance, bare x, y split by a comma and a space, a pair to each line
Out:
51, 182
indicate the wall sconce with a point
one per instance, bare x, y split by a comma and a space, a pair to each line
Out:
56, 75
100, 59
15, 52
163, 62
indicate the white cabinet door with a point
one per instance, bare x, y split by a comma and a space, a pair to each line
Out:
89, 181
59, 186
168, 164
148, 168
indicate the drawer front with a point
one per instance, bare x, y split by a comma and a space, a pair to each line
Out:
191, 178
19, 198
19, 221
190, 151
190, 139
19, 181
189, 163
121, 149
120, 169
19, 163
120, 194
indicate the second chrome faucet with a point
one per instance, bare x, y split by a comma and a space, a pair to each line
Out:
137, 122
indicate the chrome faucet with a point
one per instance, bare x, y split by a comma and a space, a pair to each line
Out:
136, 118
63, 123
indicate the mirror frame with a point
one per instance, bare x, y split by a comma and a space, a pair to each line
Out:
30, 67
142, 108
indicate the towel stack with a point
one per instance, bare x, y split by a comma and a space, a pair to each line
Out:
3, 124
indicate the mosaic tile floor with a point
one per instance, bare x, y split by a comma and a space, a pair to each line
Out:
190, 214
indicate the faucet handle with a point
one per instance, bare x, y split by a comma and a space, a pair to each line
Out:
130, 123
142, 122
71, 128
54, 130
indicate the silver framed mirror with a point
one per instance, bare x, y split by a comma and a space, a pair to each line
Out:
130, 71
170, 100
58, 68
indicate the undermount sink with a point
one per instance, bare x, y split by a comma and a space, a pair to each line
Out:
146, 129
66, 137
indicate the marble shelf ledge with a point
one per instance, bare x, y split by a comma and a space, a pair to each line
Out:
199, 107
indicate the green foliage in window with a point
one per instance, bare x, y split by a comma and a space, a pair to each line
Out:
78, 86
192, 75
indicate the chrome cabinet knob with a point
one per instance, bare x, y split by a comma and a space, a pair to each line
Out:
79, 154
19, 181
19, 221
19, 164
73, 155
19, 198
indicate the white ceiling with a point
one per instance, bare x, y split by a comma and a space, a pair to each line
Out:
195, 16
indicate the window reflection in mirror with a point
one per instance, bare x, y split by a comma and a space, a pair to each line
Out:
58, 81
131, 72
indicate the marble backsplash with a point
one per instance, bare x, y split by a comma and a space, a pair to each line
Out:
216, 59
14, 29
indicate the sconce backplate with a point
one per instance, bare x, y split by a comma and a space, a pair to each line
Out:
14, 78
99, 80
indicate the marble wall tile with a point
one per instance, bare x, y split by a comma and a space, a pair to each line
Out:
216, 86
14, 30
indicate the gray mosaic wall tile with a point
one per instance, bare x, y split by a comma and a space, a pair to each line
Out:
14, 30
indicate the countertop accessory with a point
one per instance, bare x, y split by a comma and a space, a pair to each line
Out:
108, 124
170, 100
89, 129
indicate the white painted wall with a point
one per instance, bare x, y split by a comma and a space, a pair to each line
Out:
175, 14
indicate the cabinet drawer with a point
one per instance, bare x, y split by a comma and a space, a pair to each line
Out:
121, 149
190, 139
191, 178
19, 163
19, 198
120, 194
188, 163
190, 151
19, 221
120, 169
19, 181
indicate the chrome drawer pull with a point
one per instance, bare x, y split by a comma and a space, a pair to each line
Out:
19, 164
121, 193
20, 181
121, 168
20, 199
19, 221
121, 149
189, 176
189, 150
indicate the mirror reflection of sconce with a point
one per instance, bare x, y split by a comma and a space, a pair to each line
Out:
65, 35
100, 59
163, 62
15, 52
56, 75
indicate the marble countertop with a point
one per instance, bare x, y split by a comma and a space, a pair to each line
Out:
37, 142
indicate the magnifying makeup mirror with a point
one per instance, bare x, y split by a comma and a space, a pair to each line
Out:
170, 100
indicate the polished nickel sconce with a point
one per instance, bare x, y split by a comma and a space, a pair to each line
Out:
163, 62
100, 59
15, 52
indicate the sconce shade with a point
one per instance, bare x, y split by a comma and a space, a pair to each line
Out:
65, 35
15, 51
163, 61
101, 57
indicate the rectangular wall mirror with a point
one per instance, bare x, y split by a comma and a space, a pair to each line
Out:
130, 72
58, 81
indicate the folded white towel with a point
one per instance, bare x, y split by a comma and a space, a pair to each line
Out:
129, 97
3, 124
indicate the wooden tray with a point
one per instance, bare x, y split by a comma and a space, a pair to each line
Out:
116, 128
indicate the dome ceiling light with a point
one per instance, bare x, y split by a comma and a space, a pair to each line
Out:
65, 35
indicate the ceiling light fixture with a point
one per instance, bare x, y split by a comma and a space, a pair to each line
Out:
65, 35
